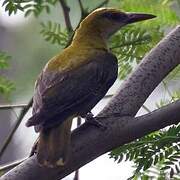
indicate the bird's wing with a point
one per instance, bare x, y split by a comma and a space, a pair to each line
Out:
58, 92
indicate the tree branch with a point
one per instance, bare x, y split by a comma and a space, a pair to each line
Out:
10, 106
66, 10
105, 2
89, 142
5, 168
84, 13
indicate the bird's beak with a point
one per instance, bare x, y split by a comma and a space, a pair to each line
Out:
135, 17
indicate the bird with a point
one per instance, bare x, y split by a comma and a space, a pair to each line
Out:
74, 81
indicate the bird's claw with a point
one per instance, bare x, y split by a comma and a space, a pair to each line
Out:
90, 119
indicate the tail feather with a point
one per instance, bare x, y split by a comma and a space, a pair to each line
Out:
54, 145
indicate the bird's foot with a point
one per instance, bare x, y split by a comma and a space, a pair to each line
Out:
90, 119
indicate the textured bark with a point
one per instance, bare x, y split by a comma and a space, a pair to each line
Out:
89, 142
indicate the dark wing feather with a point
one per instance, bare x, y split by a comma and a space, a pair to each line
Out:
74, 92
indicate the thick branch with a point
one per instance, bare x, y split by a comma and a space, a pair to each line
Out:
8, 167
89, 142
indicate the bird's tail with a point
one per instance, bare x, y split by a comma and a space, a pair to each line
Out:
53, 145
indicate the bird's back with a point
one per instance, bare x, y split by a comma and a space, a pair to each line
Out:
74, 87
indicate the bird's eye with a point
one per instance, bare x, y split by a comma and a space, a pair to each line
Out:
115, 16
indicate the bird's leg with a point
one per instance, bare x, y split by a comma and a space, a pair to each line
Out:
90, 119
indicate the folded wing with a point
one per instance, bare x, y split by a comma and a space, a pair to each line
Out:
59, 95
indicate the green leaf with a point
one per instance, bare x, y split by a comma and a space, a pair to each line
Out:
6, 86
4, 58
53, 33
156, 159
29, 7
177, 169
28, 12
5, 2
165, 168
120, 158
148, 164
130, 45
171, 173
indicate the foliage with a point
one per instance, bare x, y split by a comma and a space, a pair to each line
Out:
162, 147
163, 9
130, 46
53, 33
6, 86
35, 7
4, 58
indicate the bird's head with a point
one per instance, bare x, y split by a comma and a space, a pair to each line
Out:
109, 20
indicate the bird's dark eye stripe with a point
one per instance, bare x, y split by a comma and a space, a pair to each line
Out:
114, 16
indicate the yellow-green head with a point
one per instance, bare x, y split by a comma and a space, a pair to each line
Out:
106, 21
92, 35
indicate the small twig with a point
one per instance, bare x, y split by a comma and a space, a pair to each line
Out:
101, 4
76, 176
168, 91
14, 112
146, 108
9, 137
66, 10
108, 96
84, 13
81, 6
10, 106
5, 168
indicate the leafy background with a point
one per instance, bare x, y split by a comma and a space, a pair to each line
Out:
156, 155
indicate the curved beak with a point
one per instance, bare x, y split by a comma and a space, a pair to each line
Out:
135, 17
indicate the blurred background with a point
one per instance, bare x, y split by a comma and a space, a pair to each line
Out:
27, 43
